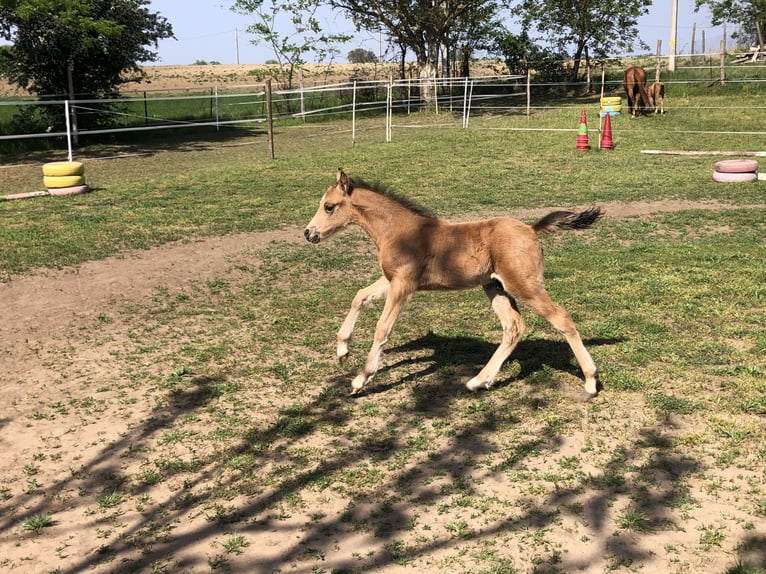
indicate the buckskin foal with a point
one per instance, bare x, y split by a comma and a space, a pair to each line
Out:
417, 251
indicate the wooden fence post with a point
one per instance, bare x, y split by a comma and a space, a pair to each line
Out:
723, 62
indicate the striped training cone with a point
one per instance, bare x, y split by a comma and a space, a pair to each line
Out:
606, 135
582, 134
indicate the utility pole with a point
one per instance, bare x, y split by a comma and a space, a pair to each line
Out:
673, 34
236, 42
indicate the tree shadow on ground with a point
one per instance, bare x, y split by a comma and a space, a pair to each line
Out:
389, 520
465, 356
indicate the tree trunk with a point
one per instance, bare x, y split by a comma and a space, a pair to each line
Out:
427, 73
577, 60
445, 61
465, 62
403, 62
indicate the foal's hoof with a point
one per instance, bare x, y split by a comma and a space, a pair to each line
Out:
475, 384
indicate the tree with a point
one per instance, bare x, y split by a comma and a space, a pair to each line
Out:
292, 48
471, 32
590, 27
362, 56
750, 13
520, 54
82, 46
422, 26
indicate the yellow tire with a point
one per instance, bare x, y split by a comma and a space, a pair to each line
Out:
57, 181
63, 168
611, 101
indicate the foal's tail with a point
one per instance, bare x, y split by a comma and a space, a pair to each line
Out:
557, 220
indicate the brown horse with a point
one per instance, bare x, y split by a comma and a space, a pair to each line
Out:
635, 88
656, 93
418, 251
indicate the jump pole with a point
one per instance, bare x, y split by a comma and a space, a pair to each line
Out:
601, 99
686, 152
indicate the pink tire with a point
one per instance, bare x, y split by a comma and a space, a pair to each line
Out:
74, 190
724, 176
736, 166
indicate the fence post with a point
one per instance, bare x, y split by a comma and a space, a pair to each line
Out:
217, 115
68, 130
529, 92
409, 95
658, 62
269, 118
388, 108
465, 102
694, 40
723, 62
303, 102
353, 116
470, 101
70, 82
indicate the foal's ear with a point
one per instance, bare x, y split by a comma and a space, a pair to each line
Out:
342, 182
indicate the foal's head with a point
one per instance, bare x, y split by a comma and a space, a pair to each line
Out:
334, 211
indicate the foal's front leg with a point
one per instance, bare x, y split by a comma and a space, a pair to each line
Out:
398, 295
362, 298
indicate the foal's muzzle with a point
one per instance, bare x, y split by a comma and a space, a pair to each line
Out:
311, 235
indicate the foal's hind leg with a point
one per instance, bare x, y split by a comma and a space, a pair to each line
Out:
362, 298
557, 316
513, 328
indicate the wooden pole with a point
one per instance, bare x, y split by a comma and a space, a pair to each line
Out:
72, 111
694, 36
658, 63
529, 92
673, 35
723, 62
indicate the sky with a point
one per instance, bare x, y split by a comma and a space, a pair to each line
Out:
210, 31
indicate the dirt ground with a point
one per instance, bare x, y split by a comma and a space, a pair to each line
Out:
43, 312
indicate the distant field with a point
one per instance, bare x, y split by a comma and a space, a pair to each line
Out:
161, 78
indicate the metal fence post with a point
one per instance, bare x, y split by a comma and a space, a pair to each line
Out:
269, 118
353, 116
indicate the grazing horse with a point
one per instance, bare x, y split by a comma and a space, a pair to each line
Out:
418, 251
656, 93
635, 88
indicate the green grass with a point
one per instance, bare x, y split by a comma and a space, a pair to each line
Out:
170, 195
230, 424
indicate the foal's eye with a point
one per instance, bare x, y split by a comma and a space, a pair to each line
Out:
329, 207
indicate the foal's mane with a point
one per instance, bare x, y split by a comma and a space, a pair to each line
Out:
383, 190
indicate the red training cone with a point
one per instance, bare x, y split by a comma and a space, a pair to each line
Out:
582, 134
606, 135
